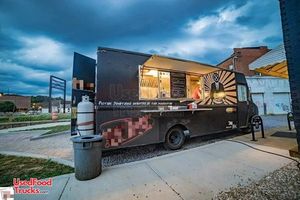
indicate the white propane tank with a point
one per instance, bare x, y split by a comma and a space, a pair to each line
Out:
85, 116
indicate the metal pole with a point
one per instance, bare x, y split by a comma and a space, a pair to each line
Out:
50, 95
262, 128
252, 131
289, 121
64, 96
253, 134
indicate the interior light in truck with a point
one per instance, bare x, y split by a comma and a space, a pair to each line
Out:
152, 72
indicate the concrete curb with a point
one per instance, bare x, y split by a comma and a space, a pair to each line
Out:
32, 155
47, 135
30, 123
25, 128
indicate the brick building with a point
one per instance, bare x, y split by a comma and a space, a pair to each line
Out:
22, 103
290, 16
242, 57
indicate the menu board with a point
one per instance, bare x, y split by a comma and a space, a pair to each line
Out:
178, 85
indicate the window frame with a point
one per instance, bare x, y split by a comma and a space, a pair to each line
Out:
245, 98
203, 89
163, 70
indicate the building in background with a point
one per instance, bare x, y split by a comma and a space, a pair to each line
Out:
260, 65
57, 106
22, 103
270, 94
241, 58
272, 63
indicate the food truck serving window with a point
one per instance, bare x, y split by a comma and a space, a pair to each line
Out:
149, 84
158, 84
195, 87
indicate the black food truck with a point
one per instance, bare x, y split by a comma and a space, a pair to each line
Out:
144, 99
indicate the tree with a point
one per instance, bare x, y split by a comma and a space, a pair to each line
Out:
7, 106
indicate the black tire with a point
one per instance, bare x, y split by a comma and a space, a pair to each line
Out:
174, 138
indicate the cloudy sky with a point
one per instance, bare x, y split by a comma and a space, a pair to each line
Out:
38, 38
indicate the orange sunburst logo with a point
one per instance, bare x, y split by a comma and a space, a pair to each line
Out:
220, 88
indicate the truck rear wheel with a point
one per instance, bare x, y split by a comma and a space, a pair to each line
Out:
174, 139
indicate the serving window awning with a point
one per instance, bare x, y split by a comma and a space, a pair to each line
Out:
272, 63
161, 62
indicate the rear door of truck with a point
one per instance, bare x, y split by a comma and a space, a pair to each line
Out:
83, 83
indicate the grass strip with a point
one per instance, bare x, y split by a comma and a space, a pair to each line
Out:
27, 167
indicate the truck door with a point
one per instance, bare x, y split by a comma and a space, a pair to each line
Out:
243, 105
83, 83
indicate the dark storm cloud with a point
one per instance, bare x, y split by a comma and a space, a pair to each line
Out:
7, 41
38, 38
100, 22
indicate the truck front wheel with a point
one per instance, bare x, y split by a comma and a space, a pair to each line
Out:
174, 139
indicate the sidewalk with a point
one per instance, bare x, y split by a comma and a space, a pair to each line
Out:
198, 173
269, 140
15, 140
24, 128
